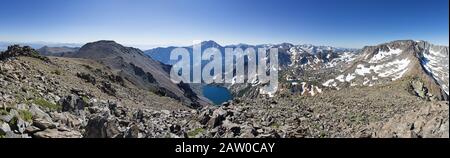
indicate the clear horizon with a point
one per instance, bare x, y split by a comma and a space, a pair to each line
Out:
148, 47
148, 24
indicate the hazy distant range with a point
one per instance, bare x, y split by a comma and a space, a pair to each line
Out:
37, 45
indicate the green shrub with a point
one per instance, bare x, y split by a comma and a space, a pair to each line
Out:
85, 99
195, 132
13, 121
2, 135
275, 125
44, 103
26, 115
3, 112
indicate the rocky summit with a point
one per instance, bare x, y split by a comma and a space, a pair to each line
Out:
106, 90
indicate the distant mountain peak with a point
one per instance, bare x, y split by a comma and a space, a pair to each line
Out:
63, 51
210, 43
138, 69
106, 41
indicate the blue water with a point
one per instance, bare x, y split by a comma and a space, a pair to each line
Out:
217, 95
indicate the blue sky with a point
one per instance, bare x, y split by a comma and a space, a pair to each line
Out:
342, 23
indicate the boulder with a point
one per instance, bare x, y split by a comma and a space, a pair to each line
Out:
11, 134
247, 132
217, 117
38, 113
112, 129
4, 127
87, 77
18, 124
101, 127
72, 103
108, 88
166, 112
231, 127
7, 118
96, 127
176, 129
133, 132
32, 129
68, 119
43, 124
55, 133
204, 116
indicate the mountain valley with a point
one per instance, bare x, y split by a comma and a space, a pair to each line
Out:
104, 89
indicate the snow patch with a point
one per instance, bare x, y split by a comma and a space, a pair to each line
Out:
327, 83
312, 91
303, 87
366, 81
435, 63
350, 77
382, 55
395, 69
361, 70
399, 67
318, 89
340, 78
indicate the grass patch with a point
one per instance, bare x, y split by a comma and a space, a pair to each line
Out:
3, 111
2, 135
275, 125
195, 132
85, 99
13, 121
322, 134
44, 103
26, 115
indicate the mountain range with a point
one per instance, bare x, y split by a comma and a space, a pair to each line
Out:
308, 69
105, 89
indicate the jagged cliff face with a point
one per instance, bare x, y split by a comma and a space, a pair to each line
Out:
435, 60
